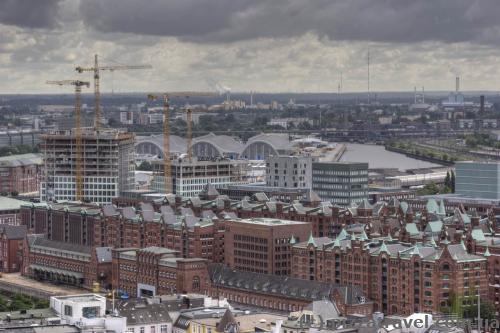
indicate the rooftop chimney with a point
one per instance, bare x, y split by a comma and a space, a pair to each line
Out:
457, 84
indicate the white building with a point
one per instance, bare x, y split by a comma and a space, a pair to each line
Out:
88, 313
190, 178
289, 171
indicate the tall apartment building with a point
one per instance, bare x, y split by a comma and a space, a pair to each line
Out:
107, 164
289, 171
262, 245
343, 183
20, 173
189, 178
478, 180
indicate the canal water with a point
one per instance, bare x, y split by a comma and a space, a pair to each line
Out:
378, 157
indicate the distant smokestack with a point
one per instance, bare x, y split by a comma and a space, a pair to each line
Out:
415, 95
481, 104
457, 84
423, 95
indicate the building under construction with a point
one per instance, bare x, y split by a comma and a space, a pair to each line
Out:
106, 165
190, 177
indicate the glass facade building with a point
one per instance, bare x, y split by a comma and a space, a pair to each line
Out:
477, 180
343, 183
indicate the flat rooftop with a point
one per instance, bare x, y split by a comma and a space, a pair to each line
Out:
90, 132
82, 298
20, 160
246, 322
268, 221
7, 203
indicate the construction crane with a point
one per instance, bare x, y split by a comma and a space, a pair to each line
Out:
96, 70
167, 164
78, 133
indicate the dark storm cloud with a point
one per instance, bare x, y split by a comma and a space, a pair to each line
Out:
233, 20
29, 13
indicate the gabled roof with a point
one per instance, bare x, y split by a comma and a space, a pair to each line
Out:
432, 206
226, 320
412, 229
208, 191
364, 205
434, 227
13, 231
280, 286
478, 235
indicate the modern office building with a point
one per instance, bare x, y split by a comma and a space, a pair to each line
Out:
343, 183
107, 165
262, 245
190, 177
478, 179
289, 171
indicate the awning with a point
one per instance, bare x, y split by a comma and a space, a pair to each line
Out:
54, 270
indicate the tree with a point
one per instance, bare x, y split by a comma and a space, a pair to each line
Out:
447, 180
429, 189
452, 182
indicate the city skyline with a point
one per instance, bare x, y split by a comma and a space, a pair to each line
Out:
262, 46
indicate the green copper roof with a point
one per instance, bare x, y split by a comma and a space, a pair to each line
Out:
343, 234
433, 242
415, 251
487, 252
383, 248
478, 235
442, 210
293, 240
434, 226
404, 207
432, 206
311, 240
363, 236
411, 228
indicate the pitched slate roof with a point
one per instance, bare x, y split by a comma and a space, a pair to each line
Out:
13, 231
39, 241
222, 275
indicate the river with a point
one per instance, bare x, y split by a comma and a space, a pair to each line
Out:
377, 157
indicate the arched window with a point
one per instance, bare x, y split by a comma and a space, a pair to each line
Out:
445, 267
196, 283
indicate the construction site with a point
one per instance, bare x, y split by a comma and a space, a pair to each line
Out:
101, 162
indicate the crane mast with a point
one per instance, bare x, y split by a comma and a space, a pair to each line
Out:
79, 178
167, 164
97, 94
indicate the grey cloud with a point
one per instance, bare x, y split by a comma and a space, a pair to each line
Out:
29, 14
215, 21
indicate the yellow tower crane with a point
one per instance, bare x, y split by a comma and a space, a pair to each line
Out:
96, 70
78, 133
167, 164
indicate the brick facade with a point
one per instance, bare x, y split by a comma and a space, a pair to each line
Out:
399, 278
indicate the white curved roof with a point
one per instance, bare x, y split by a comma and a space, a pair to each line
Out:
177, 144
279, 141
224, 143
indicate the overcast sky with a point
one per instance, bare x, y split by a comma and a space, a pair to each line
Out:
260, 45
